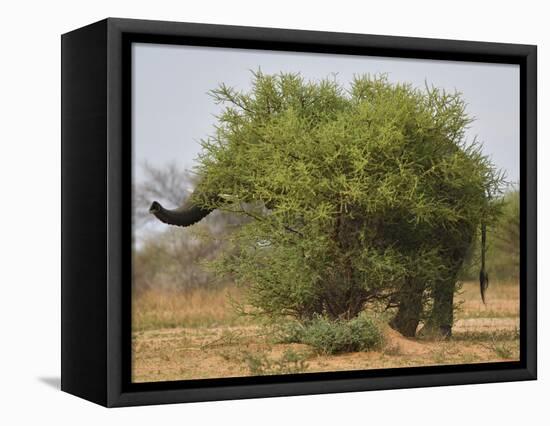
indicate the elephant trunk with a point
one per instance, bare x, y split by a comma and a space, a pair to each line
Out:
186, 215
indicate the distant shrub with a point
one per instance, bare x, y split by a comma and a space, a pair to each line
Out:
334, 336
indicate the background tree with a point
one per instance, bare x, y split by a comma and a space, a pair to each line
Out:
503, 243
173, 258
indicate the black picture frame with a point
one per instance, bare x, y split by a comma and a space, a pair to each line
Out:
96, 203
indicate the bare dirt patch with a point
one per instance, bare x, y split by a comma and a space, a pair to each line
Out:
482, 333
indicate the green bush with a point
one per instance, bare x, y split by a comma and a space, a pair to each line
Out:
335, 336
357, 194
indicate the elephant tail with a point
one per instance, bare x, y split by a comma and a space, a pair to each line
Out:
483, 283
483, 275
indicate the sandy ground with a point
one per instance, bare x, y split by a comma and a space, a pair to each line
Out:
482, 333
192, 353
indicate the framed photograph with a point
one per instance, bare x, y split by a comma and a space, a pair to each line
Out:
254, 212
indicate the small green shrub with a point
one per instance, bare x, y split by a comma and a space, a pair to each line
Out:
291, 362
288, 332
503, 350
331, 337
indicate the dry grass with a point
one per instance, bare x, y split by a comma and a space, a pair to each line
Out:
502, 301
153, 310
197, 334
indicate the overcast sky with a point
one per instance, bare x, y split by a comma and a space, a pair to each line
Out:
172, 111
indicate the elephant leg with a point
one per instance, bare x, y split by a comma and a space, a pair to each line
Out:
440, 321
409, 311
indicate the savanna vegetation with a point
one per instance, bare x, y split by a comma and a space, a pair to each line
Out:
344, 219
